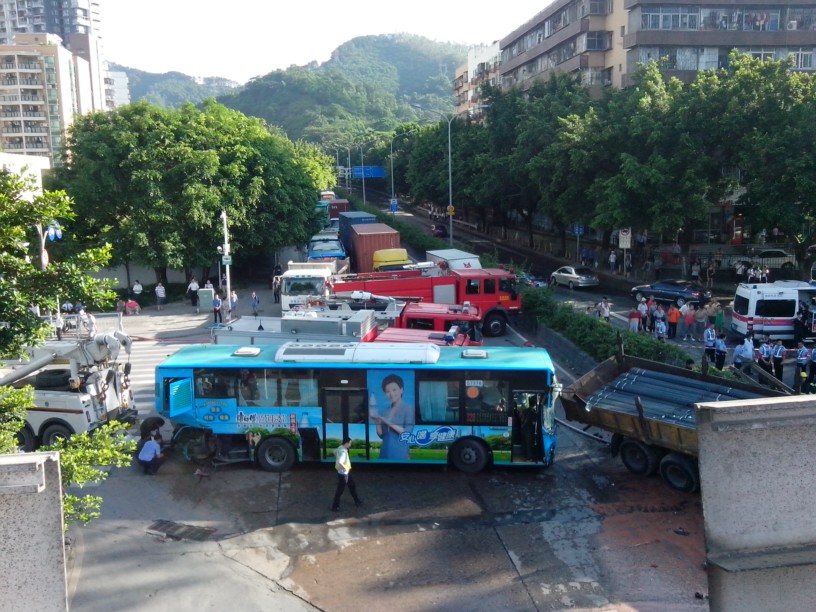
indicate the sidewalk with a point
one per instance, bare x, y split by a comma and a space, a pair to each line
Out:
179, 320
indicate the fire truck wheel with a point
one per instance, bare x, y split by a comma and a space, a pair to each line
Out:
494, 325
469, 456
680, 472
48, 379
639, 458
55, 432
275, 455
26, 439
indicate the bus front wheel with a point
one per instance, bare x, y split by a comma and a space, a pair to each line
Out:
275, 455
469, 456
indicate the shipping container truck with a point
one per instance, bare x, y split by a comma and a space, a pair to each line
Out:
367, 239
347, 221
336, 207
648, 407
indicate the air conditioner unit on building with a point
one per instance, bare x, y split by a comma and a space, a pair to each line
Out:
792, 25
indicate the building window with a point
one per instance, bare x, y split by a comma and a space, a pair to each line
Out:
597, 41
802, 58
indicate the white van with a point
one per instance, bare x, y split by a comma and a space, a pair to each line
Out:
769, 309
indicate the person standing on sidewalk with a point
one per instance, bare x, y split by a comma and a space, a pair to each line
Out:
136, 290
779, 353
255, 302
161, 296
710, 339
673, 318
634, 320
700, 320
216, 306
342, 464
721, 351
192, 291
802, 362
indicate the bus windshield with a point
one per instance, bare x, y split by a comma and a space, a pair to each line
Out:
422, 403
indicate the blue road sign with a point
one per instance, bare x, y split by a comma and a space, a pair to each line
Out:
578, 230
393, 206
358, 172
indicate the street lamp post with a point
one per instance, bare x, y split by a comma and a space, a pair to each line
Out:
362, 168
348, 164
450, 168
227, 261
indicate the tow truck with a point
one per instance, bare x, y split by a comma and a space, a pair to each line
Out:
79, 385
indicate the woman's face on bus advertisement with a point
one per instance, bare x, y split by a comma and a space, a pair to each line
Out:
393, 392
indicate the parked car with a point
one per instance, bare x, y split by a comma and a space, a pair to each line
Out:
439, 230
673, 290
528, 279
574, 277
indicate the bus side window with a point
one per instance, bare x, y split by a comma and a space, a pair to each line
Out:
438, 401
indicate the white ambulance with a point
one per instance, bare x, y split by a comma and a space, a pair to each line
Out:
769, 309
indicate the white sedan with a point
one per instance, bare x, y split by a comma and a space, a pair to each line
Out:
574, 277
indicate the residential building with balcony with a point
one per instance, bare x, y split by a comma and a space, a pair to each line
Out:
43, 86
604, 41
482, 67
582, 37
694, 35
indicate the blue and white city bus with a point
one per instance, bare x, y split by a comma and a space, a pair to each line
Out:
419, 403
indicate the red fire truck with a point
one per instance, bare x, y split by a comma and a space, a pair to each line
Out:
492, 290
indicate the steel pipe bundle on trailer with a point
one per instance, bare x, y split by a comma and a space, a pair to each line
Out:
665, 397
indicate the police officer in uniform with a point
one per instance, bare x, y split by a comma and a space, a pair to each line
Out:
779, 352
709, 338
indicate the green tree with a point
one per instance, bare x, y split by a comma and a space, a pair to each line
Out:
153, 183
24, 215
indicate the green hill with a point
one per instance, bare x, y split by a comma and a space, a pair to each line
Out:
368, 84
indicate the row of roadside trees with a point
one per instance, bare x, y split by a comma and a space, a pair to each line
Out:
653, 156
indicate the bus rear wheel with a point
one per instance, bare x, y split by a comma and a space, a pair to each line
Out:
275, 455
680, 472
469, 456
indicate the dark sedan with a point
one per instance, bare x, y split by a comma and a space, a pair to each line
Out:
673, 290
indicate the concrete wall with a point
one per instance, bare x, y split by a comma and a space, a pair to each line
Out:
32, 550
758, 480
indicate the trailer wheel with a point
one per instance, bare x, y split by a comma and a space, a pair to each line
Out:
680, 472
639, 458
494, 325
469, 456
26, 439
275, 455
55, 432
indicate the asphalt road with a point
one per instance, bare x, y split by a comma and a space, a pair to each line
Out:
584, 534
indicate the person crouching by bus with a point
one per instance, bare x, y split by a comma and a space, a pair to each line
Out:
342, 464
151, 457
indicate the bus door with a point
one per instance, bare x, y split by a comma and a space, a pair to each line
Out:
345, 413
534, 427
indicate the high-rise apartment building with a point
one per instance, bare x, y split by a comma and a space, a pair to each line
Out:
482, 67
61, 17
43, 86
604, 41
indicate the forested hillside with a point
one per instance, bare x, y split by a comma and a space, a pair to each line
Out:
368, 84
172, 89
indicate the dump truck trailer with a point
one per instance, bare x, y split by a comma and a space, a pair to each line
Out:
648, 407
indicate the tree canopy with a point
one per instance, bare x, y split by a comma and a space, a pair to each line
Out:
154, 181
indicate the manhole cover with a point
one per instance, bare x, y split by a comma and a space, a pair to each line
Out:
180, 531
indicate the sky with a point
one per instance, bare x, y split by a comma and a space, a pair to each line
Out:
242, 39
